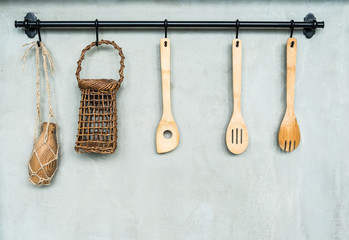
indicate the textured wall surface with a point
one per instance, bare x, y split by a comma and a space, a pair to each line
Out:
199, 191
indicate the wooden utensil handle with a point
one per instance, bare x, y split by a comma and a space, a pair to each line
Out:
291, 71
165, 76
237, 57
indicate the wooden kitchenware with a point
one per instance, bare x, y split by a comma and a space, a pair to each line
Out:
289, 133
167, 136
237, 135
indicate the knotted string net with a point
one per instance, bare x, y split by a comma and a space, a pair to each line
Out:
44, 158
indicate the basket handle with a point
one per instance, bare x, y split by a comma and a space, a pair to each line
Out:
88, 47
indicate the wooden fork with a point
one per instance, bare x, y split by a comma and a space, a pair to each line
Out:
289, 133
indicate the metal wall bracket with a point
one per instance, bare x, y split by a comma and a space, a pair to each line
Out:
30, 31
309, 32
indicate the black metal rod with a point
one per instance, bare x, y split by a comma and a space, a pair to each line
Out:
177, 24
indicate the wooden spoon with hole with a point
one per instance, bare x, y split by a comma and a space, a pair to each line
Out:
237, 135
166, 143
289, 133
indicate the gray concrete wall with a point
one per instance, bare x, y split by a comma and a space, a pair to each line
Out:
199, 191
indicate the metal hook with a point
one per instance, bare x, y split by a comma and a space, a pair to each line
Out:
291, 35
292, 28
237, 28
237, 31
96, 24
38, 28
165, 26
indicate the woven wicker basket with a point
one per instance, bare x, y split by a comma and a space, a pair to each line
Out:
97, 131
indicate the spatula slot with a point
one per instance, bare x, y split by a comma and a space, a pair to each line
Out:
237, 136
167, 134
232, 136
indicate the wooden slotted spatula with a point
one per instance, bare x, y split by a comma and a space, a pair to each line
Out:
237, 135
167, 136
289, 133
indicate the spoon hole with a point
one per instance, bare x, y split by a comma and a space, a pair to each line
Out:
167, 134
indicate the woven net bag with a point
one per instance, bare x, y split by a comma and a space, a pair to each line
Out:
97, 131
43, 162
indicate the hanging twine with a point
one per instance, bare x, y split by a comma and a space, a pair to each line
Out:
44, 177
